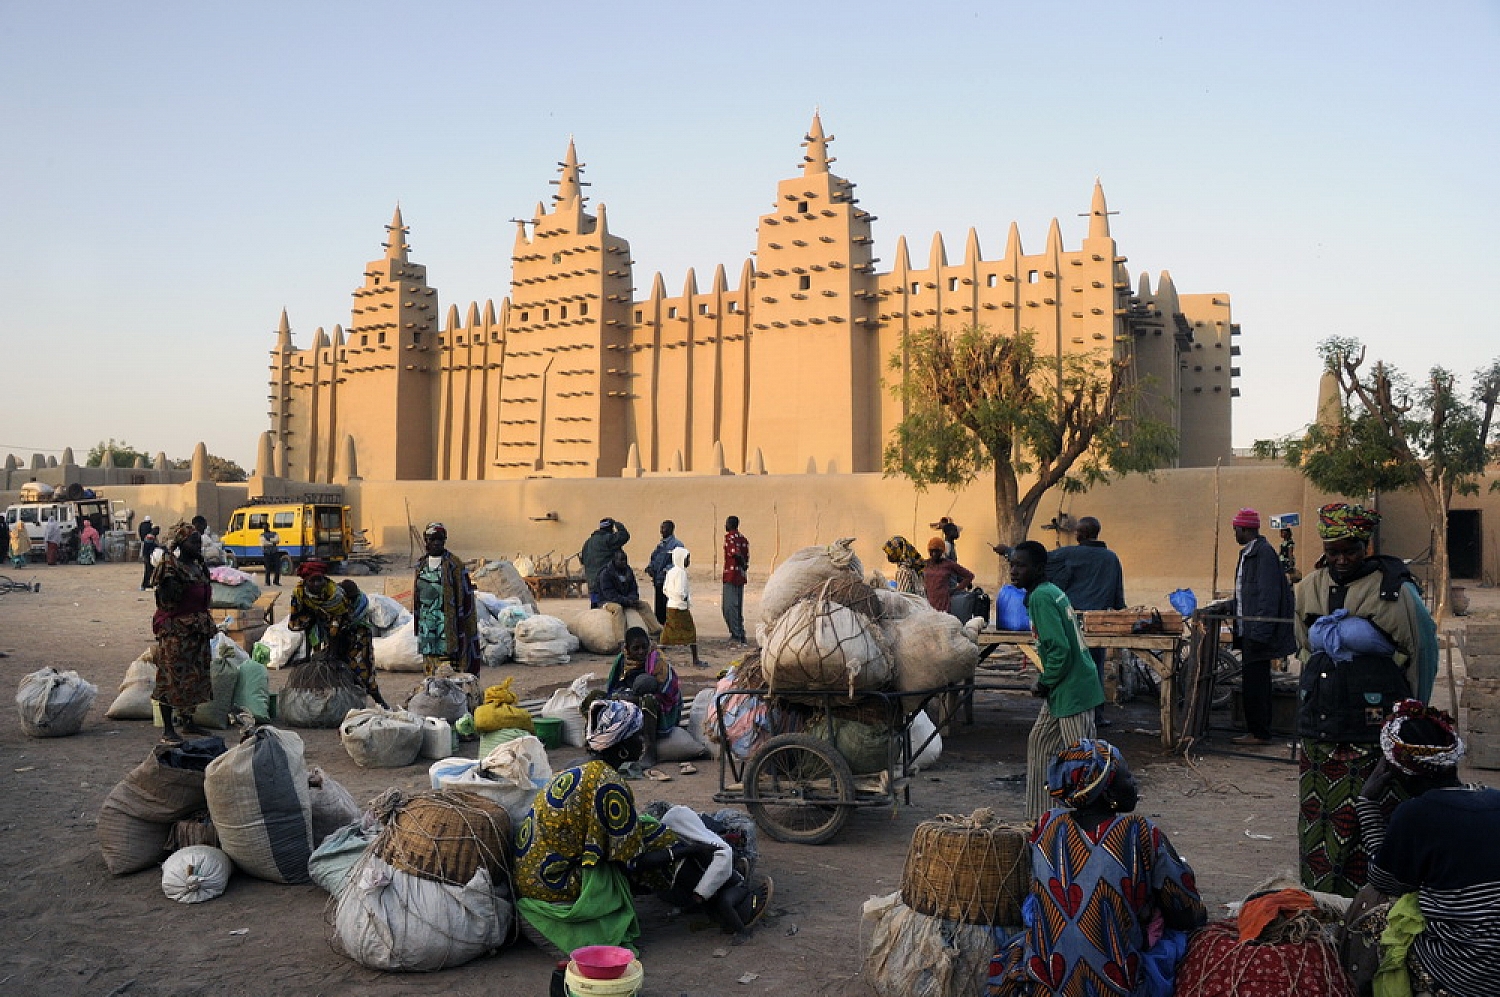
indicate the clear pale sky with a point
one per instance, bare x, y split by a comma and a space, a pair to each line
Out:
173, 174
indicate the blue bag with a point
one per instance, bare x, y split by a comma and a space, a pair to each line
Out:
1010, 609
1184, 602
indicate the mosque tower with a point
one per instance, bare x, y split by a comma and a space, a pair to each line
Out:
814, 362
565, 398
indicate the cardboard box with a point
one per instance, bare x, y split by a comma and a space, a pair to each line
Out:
398, 587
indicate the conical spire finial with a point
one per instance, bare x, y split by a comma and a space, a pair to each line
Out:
1098, 214
284, 334
569, 182
395, 244
816, 159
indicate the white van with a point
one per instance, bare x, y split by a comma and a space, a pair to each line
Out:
68, 514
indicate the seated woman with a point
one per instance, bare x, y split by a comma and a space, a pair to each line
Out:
1100, 877
335, 619
1437, 856
643, 676
584, 850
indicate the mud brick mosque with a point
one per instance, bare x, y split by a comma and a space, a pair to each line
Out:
783, 371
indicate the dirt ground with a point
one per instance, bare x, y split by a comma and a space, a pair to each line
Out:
72, 928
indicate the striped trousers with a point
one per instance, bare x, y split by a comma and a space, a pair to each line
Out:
1049, 735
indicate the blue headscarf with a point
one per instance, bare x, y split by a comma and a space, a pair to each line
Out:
1083, 772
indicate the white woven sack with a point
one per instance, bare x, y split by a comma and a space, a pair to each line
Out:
930, 649
258, 798
134, 700
914, 955
381, 739
196, 873
541, 653
398, 651
920, 729
497, 645
391, 920
598, 630
818, 644
803, 572
540, 628
521, 768
284, 643
436, 696
53, 703
564, 705
386, 615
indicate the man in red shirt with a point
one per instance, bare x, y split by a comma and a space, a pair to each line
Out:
736, 560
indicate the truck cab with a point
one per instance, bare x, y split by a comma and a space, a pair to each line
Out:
316, 527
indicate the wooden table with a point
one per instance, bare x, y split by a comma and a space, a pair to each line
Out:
555, 586
1163, 651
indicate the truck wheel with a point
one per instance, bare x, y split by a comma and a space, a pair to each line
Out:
230, 560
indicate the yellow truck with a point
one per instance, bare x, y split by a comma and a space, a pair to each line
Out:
312, 528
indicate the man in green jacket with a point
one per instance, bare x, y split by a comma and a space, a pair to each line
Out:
1069, 685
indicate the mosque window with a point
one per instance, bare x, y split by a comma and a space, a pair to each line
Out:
416, 339
802, 207
1031, 276
916, 287
638, 315
546, 314
734, 308
804, 282
364, 340
992, 280
583, 308
562, 312
380, 339
525, 316
557, 257
671, 313
703, 309
952, 283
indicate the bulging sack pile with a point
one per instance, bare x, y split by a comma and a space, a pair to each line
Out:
282, 644
598, 630
225, 657
319, 693
821, 643
134, 700
501, 578
332, 805
804, 572
439, 696
914, 955
434, 888
53, 703
544, 640
398, 651
259, 799
386, 615
137, 817
196, 873
381, 739
510, 774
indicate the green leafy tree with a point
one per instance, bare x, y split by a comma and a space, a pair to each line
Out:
219, 468
1390, 434
979, 402
125, 454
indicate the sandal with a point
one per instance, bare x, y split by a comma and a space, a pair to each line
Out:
656, 775
172, 740
687, 768
760, 901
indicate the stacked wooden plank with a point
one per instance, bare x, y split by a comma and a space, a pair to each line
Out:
1124, 622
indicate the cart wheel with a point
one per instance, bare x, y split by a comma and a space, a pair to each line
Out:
799, 789
1226, 677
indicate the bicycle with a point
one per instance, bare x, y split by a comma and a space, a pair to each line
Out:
8, 584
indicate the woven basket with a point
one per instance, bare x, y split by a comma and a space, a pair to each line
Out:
446, 835
196, 830
968, 869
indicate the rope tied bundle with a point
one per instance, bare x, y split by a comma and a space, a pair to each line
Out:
975, 869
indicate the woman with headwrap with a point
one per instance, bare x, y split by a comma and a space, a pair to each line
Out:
584, 850
679, 629
941, 575
443, 607
1432, 906
641, 675
1344, 697
908, 561
184, 632
334, 618
1104, 882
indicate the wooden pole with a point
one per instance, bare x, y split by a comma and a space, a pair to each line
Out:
1214, 587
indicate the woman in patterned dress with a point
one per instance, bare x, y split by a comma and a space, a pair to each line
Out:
1103, 881
336, 616
584, 849
184, 630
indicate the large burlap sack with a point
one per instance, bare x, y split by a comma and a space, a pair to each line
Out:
866, 747
598, 630
134, 700
821, 644
53, 703
398, 651
436, 696
804, 572
319, 693
914, 955
501, 578
136, 817
678, 745
386, 615
224, 675
196, 873
392, 920
381, 739
930, 649
283, 644
331, 805
332, 861
258, 797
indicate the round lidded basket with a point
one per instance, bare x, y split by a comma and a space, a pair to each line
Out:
971, 869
